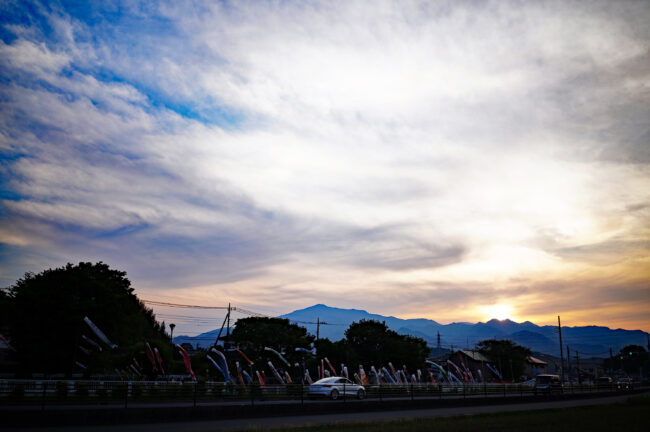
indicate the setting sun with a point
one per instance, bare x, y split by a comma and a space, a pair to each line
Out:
499, 311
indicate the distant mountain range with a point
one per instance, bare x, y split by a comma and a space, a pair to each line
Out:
591, 341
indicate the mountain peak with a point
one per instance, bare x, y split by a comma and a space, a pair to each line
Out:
503, 321
320, 307
316, 306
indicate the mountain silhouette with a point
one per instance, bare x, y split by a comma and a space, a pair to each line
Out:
592, 341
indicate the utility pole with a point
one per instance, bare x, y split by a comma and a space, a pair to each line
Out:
226, 343
439, 342
317, 328
578, 366
568, 362
225, 320
559, 326
228, 328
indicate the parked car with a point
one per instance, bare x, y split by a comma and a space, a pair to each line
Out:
548, 384
335, 387
624, 384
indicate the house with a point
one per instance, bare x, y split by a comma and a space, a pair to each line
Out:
534, 366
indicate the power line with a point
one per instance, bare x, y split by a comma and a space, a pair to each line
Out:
233, 308
188, 317
179, 305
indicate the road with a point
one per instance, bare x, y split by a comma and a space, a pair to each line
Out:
276, 422
206, 402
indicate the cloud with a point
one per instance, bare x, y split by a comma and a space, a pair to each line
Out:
320, 151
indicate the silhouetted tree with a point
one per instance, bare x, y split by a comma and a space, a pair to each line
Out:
254, 333
336, 352
46, 312
632, 359
509, 357
4, 311
373, 343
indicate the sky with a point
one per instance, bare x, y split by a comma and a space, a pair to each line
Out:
452, 160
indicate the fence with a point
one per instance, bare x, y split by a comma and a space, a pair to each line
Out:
126, 393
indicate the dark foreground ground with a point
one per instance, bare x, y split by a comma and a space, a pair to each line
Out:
633, 415
612, 413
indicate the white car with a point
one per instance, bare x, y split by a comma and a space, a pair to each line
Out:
336, 387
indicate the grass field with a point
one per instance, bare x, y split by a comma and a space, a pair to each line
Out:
631, 416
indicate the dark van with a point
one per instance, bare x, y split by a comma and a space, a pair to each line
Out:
548, 384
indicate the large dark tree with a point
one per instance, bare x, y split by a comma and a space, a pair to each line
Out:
509, 357
632, 359
4, 311
253, 334
370, 340
373, 343
336, 352
46, 319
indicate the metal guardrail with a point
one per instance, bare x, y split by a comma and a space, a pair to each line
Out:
125, 393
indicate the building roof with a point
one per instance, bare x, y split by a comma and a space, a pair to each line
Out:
474, 355
534, 360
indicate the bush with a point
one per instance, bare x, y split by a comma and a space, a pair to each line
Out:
101, 392
119, 390
294, 390
153, 391
81, 389
188, 390
240, 390
256, 390
18, 392
171, 390
136, 390
62, 389
201, 387
218, 390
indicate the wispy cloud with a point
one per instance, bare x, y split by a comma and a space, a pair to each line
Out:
325, 152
